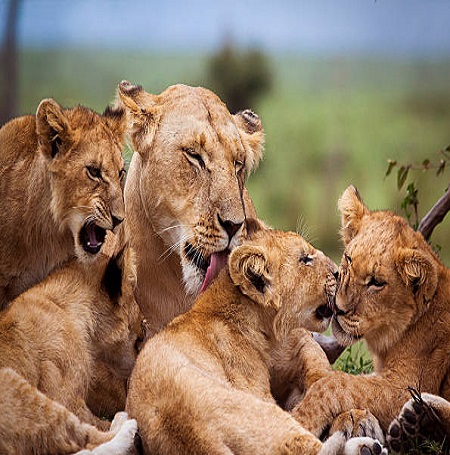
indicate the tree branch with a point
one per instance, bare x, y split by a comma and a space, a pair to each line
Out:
435, 215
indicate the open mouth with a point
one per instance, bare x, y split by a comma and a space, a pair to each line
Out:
209, 266
92, 237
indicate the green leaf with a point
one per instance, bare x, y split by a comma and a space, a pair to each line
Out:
392, 164
401, 176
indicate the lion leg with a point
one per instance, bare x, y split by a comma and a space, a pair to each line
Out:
107, 392
423, 417
32, 422
340, 392
298, 362
330, 346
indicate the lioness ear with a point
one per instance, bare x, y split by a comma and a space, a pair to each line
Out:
352, 210
141, 112
418, 271
252, 135
248, 267
52, 127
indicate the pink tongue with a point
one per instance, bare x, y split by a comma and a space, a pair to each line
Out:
218, 261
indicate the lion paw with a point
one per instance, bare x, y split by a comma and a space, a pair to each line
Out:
123, 443
358, 423
364, 446
417, 421
339, 444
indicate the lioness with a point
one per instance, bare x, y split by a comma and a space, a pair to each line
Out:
50, 338
61, 177
202, 385
185, 196
393, 291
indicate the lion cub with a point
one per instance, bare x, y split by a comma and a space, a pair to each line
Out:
61, 189
50, 338
202, 385
394, 292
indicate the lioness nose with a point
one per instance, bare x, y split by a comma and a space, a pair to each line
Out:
230, 227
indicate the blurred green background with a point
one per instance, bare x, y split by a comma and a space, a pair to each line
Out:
329, 122
353, 84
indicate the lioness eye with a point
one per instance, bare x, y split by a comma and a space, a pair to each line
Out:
94, 172
306, 259
194, 157
375, 283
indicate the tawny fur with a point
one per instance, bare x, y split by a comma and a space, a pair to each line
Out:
202, 385
185, 186
46, 192
394, 292
51, 336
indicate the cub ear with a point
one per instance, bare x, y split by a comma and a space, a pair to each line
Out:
252, 135
248, 265
141, 110
352, 210
52, 127
418, 271
116, 120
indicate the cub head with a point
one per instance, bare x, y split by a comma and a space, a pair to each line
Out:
83, 154
194, 158
285, 274
387, 276
119, 324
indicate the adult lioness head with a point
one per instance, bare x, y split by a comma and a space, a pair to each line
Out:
83, 154
388, 275
194, 157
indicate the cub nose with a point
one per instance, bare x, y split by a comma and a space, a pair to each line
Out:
116, 220
230, 226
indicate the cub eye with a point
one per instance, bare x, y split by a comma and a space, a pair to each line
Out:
373, 282
306, 259
94, 172
193, 157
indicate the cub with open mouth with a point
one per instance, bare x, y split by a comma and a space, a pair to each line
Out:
61, 189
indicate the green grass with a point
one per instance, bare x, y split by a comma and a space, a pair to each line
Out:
328, 123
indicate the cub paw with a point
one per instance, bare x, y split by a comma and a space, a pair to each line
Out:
337, 444
418, 421
364, 446
358, 423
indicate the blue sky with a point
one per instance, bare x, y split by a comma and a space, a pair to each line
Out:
406, 27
